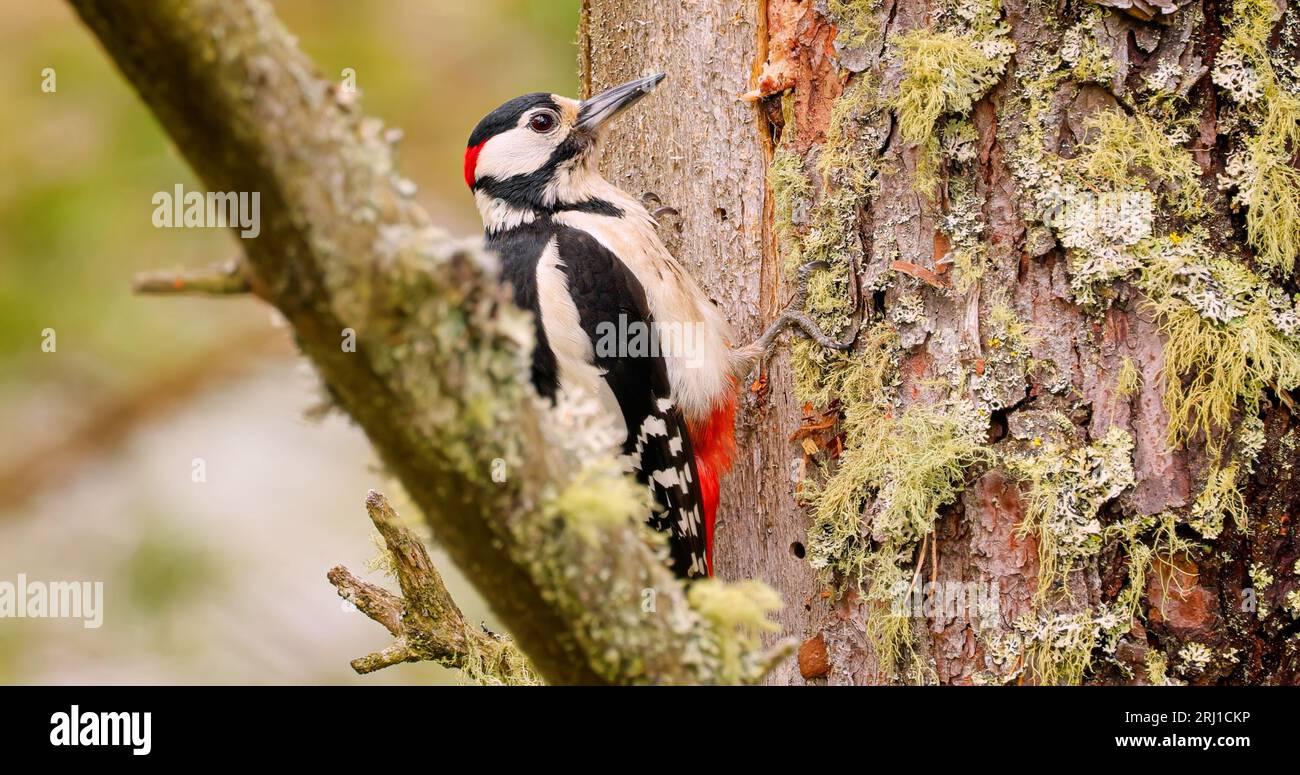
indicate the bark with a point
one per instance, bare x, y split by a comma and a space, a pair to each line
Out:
437, 378
425, 620
983, 311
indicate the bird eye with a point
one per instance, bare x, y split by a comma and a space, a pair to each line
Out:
542, 122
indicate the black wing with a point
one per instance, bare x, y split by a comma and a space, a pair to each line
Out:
520, 249
609, 295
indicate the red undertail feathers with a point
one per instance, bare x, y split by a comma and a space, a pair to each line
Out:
714, 443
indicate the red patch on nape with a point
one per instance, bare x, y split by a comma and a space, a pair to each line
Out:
714, 442
471, 161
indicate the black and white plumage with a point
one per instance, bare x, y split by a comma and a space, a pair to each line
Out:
583, 256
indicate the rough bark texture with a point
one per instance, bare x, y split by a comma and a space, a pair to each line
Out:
438, 375
1009, 348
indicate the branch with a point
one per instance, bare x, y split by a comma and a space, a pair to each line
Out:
223, 279
527, 500
425, 620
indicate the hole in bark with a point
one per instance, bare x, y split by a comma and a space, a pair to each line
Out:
775, 118
878, 302
797, 550
998, 426
722, 213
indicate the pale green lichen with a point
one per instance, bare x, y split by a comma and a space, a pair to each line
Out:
909, 467
1008, 343
943, 72
1140, 557
1220, 499
1082, 50
1167, 549
1127, 381
1266, 182
1121, 149
383, 561
889, 632
739, 612
598, 497
502, 664
1261, 578
1059, 647
791, 189
1058, 643
824, 228
1065, 491
1053, 648
1195, 657
1162, 551
1291, 603
1228, 335
854, 22
1157, 669
885, 490
1103, 203
964, 223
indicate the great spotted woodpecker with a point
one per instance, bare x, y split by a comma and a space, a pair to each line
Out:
586, 259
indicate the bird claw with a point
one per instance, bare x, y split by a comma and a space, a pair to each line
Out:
656, 207
793, 315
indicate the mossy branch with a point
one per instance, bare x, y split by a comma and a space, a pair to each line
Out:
525, 498
223, 279
425, 620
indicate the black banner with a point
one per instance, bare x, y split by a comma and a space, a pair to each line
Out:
994, 727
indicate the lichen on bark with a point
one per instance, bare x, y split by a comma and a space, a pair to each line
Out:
1072, 287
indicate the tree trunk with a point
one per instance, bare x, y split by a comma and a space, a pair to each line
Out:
1062, 449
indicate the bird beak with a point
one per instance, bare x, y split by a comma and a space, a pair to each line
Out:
596, 111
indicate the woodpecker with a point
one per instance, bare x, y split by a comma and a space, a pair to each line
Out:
586, 259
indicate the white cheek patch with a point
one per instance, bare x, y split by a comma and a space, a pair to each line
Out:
519, 151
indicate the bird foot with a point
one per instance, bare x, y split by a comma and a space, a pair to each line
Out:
656, 207
793, 315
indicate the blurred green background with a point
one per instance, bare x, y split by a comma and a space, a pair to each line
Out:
220, 581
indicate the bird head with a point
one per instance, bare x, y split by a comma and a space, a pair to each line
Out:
536, 150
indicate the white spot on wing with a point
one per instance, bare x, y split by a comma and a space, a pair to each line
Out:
667, 477
654, 426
